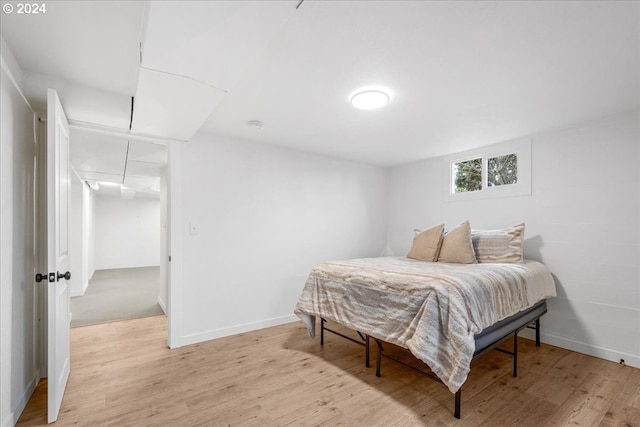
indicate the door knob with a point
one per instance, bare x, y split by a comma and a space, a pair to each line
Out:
65, 276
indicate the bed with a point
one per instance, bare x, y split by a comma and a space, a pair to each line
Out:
445, 314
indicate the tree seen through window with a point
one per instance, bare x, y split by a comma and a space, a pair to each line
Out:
501, 170
468, 176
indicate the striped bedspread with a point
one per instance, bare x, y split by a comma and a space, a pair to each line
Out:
432, 309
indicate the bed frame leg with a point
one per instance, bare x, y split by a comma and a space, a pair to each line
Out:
538, 332
515, 354
456, 412
322, 331
367, 345
378, 358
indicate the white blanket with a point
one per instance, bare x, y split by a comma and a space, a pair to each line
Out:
432, 309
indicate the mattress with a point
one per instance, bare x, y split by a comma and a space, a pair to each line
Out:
433, 309
501, 329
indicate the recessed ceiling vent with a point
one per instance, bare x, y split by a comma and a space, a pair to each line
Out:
255, 124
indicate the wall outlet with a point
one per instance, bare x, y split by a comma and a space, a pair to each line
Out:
193, 230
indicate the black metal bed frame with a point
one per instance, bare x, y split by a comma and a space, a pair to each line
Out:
488, 339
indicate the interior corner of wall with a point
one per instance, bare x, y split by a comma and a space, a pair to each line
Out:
162, 305
12, 418
9, 62
8, 420
387, 251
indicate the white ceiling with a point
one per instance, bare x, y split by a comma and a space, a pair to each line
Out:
92, 43
460, 74
193, 53
134, 166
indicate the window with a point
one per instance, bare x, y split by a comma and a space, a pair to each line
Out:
494, 171
467, 176
502, 170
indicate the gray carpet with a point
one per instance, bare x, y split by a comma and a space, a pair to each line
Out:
119, 294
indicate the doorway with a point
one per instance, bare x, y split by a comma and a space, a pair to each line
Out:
118, 294
171, 212
119, 238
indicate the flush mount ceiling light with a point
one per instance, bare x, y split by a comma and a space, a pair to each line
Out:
369, 99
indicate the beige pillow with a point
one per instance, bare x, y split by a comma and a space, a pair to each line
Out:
457, 246
499, 245
426, 244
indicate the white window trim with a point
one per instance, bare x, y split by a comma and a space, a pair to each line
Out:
520, 147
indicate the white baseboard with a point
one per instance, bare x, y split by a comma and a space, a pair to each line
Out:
81, 292
162, 305
123, 266
558, 341
584, 348
592, 350
233, 330
13, 417
8, 420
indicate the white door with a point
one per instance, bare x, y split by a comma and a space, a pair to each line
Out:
58, 303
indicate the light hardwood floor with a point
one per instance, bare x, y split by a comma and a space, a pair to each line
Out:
123, 374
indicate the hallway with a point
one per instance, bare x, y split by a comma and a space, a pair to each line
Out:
118, 294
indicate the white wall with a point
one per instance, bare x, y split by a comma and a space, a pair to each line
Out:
263, 216
127, 232
164, 242
582, 220
88, 234
76, 240
80, 236
19, 363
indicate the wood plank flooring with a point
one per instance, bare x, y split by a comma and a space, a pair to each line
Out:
123, 374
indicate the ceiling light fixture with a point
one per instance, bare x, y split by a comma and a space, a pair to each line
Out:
369, 99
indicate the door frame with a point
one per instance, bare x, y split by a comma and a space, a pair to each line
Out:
41, 263
174, 235
174, 241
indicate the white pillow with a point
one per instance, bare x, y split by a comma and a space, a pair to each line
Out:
499, 245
